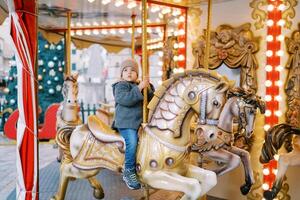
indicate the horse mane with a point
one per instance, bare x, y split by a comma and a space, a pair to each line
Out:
159, 93
248, 97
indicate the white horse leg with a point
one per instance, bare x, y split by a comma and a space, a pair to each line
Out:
98, 190
232, 161
249, 178
207, 179
173, 181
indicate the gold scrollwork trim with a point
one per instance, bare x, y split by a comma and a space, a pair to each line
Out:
259, 14
289, 12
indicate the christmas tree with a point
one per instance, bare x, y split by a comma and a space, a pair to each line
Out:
50, 76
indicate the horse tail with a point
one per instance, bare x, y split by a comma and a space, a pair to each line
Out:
63, 140
274, 139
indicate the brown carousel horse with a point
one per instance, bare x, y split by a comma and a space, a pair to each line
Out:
274, 139
215, 140
164, 145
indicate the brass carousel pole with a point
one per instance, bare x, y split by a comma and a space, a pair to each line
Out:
144, 56
207, 42
132, 35
207, 47
68, 45
145, 70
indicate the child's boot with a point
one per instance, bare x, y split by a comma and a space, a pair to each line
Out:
131, 180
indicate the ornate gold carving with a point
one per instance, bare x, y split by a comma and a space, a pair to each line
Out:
289, 12
258, 14
256, 190
95, 154
283, 194
169, 53
234, 46
292, 86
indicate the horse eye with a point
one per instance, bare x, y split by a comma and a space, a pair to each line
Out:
192, 95
251, 111
69, 101
216, 103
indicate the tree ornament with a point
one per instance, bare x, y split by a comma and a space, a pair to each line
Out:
46, 46
52, 72
52, 46
12, 102
49, 82
6, 90
60, 69
51, 91
56, 78
41, 62
54, 58
58, 88
59, 47
40, 77
51, 64
40, 87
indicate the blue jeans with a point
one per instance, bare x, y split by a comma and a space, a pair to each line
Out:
131, 141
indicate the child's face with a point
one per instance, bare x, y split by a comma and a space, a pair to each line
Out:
129, 74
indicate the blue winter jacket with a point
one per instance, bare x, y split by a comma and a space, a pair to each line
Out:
128, 104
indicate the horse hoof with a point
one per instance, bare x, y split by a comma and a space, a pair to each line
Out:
98, 194
269, 195
53, 198
245, 188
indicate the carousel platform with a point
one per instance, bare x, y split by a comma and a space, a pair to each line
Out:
114, 187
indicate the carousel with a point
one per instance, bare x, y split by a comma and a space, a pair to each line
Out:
223, 122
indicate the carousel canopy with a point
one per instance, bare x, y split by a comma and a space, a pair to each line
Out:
107, 22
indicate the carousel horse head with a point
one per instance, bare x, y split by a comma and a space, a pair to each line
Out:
244, 108
198, 91
70, 90
69, 107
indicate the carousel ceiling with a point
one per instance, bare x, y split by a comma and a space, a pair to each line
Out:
109, 21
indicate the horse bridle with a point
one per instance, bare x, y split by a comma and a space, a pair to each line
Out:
203, 107
242, 105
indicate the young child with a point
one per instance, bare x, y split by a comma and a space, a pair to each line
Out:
128, 115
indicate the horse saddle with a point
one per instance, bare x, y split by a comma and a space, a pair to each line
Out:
103, 132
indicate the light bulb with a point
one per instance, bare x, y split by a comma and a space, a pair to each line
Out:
281, 22
280, 38
280, 53
279, 68
268, 68
268, 83
268, 97
265, 186
278, 98
270, 22
266, 171
270, 38
279, 83
267, 127
268, 113
278, 113
269, 53
270, 7
281, 7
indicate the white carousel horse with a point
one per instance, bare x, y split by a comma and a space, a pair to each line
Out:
274, 139
164, 145
216, 141
67, 113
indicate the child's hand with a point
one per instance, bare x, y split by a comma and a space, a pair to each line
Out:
144, 83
